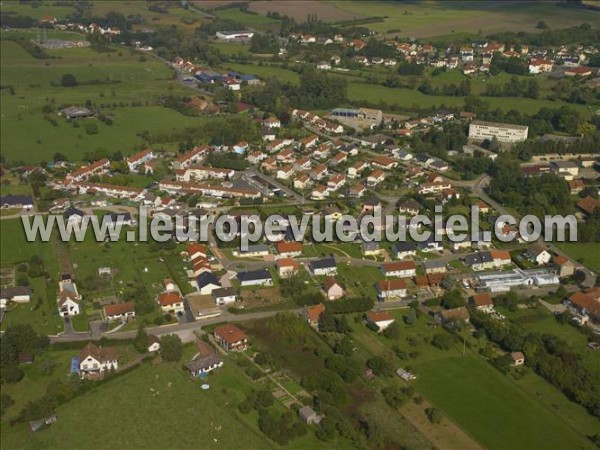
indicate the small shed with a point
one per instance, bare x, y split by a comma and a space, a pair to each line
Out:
308, 415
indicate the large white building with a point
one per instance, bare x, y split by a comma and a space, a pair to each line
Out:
504, 132
234, 35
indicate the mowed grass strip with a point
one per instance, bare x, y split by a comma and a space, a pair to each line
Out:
491, 408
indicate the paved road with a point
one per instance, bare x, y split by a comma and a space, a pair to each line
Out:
225, 316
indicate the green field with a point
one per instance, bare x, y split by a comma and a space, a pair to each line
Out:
124, 79
491, 408
588, 253
414, 99
41, 311
151, 407
250, 20
423, 19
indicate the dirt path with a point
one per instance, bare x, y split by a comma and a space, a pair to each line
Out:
446, 435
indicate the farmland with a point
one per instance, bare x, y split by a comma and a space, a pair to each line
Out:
112, 80
480, 399
433, 18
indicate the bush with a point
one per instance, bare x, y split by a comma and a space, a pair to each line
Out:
68, 80
12, 374
434, 415
443, 341
91, 128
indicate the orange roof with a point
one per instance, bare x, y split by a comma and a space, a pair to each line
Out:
484, 299
169, 298
287, 262
379, 316
390, 285
500, 254
561, 260
399, 265
314, 312
192, 249
118, 309
288, 247
230, 333
588, 300
588, 204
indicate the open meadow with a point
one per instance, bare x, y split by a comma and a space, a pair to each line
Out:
123, 86
155, 406
495, 412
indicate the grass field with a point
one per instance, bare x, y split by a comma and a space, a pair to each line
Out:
251, 20
178, 414
414, 99
433, 18
588, 253
486, 403
41, 311
23, 122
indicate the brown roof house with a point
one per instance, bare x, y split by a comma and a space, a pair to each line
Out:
121, 311
312, 314
564, 267
382, 319
94, 360
231, 338
332, 289
483, 302
449, 316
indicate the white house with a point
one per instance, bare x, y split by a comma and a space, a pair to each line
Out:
401, 269
224, 296
382, 319
121, 311
325, 266
94, 360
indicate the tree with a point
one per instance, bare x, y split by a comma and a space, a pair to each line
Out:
393, 330
381, 366
541, 25
443, 341
452, 299
434, 415
171, 348
141, 341
68, 80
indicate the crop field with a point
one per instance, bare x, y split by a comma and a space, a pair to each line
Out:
434, 18
495, 412
325, 11
151, 398
111, 81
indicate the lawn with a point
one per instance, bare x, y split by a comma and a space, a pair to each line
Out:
151, 407
413, 99
250, 20
112, 81
487, 404
227, 48
41, 311
34, 383
588, 253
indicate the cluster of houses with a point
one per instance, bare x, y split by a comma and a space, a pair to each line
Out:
469, 59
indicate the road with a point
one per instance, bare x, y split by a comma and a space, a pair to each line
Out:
177, 328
